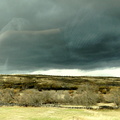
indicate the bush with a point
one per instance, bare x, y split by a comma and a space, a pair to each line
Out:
114, 96
67, 97
86, 98
7, 96
87, 87
29, 97
33, 97
86, 95
49, 96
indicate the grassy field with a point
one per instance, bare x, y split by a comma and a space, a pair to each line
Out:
42, 113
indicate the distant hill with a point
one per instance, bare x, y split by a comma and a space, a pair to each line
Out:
47, 82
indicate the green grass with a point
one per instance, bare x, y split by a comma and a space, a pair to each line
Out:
42, 113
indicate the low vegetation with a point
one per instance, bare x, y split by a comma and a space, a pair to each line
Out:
85, 95
39, 90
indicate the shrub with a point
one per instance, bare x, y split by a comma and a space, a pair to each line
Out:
87, 87
86, 98
60, 96
86, 95
114, 96
67, 97
29, 97
7, 96
49, 96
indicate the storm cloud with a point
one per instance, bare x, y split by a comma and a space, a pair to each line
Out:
57, 34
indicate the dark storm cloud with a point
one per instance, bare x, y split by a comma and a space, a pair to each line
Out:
95, 39
37, 34
32, 48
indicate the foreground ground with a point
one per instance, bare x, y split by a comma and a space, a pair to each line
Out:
43, 113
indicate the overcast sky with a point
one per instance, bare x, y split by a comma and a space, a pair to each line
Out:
63, 37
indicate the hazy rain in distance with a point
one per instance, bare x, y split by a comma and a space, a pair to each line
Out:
73, 37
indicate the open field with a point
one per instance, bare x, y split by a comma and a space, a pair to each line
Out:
43, 113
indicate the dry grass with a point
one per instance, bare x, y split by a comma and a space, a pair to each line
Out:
42, 113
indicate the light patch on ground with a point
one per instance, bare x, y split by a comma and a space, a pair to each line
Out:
43, 113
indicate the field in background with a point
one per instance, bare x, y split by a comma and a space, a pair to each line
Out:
43, 113
47, 82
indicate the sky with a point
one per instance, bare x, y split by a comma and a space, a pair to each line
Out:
60, 37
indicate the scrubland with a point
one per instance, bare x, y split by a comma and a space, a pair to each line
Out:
38, 90
40, 97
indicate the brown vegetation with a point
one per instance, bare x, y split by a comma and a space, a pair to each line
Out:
37, 90
33, 97
46, 82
